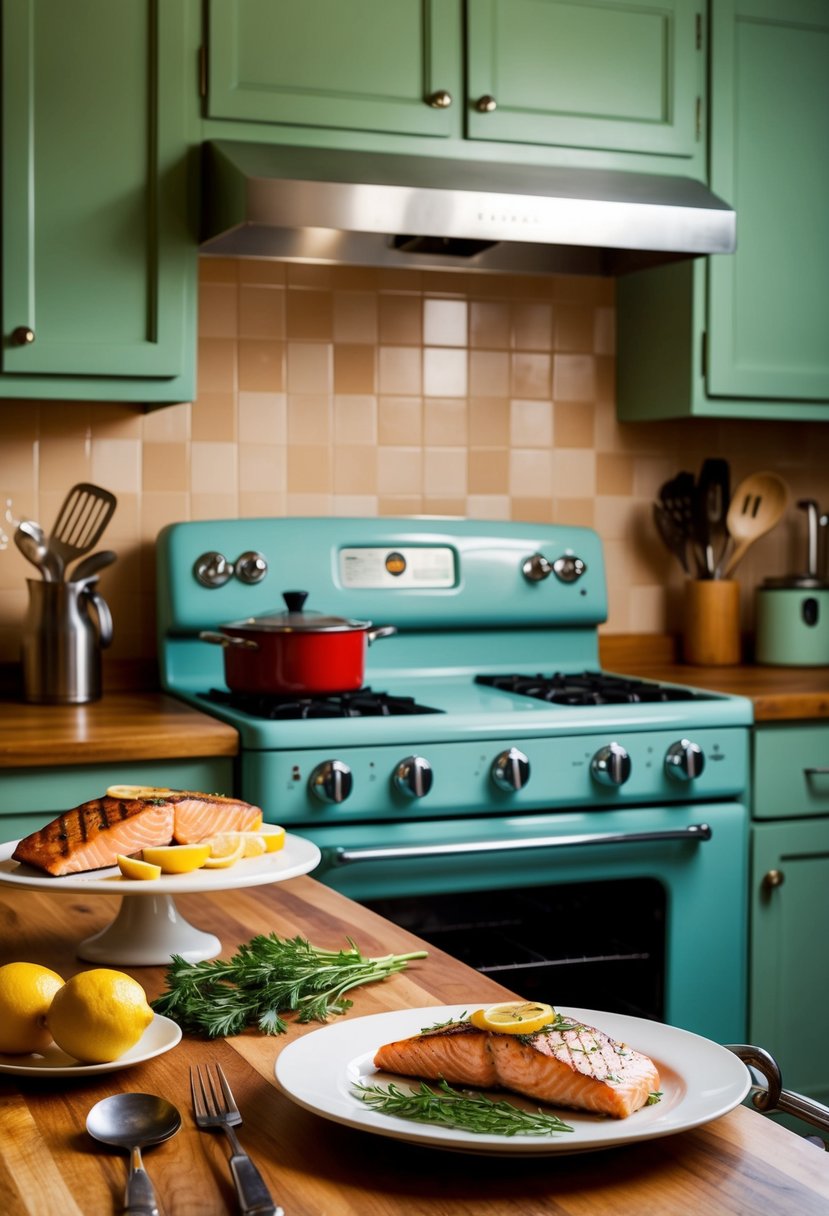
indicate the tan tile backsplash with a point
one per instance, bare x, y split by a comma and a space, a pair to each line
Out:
353, 391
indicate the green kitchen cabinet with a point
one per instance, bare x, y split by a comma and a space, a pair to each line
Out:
617, 75
790, 900
371, 65
601, 82
746, 335
98, 256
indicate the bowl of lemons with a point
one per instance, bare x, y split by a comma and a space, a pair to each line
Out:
95, 1021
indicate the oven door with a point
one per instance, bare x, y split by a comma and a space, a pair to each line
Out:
639, 911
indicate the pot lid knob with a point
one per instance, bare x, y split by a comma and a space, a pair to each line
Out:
295, 600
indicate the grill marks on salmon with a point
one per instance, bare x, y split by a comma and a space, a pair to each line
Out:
91, 836
576, 1066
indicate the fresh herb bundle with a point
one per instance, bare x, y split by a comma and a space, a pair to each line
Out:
268, 977
470, 1112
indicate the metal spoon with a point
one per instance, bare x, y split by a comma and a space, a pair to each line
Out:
758, 504
133, 1122
89, 566
31, 541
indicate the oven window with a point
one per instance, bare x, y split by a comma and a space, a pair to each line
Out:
595, 945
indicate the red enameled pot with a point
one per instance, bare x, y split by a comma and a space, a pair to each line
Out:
296, 653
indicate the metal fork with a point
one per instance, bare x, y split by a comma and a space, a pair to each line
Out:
215, 1107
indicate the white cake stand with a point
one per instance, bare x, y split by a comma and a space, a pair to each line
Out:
148, 928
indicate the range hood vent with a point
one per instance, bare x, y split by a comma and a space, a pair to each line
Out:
377, 209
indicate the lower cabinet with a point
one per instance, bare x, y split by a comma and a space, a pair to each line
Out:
30, 798
789, 961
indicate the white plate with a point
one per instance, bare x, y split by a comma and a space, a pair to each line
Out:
700, 1081
299, 856
160, 1036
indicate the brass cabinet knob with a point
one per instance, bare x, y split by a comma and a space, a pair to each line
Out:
22, 336
774, 878
486, 104
440, 100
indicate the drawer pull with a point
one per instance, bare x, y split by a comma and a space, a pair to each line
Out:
772, 880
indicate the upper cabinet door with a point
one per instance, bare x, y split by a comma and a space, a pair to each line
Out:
618, 75
768, 303
95, 236
367, 65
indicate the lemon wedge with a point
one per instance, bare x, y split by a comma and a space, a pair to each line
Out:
178, 858
131, 792
224, 850
133, 867
513, 1017
274, 839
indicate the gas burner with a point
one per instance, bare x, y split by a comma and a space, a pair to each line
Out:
363, 703
589, 688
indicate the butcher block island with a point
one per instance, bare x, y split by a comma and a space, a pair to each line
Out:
736, 1164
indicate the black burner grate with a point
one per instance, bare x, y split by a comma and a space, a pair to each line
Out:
589, 688
363, 703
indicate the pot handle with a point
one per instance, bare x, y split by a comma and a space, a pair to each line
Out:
381, 631
223, 639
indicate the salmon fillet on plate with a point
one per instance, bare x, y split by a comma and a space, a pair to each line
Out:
92, 835
563, 1064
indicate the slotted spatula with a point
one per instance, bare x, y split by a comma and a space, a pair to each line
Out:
80, 522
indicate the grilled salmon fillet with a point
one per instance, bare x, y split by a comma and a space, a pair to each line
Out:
93, 834
575, 1066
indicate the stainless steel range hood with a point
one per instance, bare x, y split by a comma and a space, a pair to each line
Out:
377, 209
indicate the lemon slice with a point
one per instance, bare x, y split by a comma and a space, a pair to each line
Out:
275, 839
130, 792
224, 850
133, 867
178, 858
513, 1017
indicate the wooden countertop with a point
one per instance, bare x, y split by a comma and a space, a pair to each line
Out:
737, 1164
778, 693
121, 726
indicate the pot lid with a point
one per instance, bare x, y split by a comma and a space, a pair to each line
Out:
297, 620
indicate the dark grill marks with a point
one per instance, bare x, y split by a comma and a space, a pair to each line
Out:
63, 837
99, 805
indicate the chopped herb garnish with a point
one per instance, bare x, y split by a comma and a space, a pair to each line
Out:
470, 1112
268, 977
449, 1022
654, 1097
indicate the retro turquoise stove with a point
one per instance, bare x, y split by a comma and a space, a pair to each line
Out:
569, 831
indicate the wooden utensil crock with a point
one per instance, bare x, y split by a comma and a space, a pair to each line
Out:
711, 635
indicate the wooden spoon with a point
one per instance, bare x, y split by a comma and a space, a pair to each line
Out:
758, 504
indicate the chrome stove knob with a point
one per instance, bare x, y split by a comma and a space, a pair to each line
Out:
568, 569
610, 765
684, 760
331, 781
250, 567
413, 777
536, 568
510, 770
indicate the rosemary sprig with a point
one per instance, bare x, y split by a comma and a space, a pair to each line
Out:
268, 977
470, 1112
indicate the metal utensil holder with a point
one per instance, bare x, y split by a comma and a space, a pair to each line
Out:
773, 1098
62, 642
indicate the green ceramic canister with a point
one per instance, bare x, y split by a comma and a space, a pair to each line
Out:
792, 622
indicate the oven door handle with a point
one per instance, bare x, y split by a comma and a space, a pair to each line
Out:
694, 832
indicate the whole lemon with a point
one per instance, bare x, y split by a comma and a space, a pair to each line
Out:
100, 1015
26, 992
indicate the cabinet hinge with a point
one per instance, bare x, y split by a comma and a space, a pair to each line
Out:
202, 71
698, 120
699, 31
704, 354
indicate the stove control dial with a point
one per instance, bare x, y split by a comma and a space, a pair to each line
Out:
536, 568
510, 770
212, 569
331, 781
413, 777
250, 567
569, 568
610, 765
684, 760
